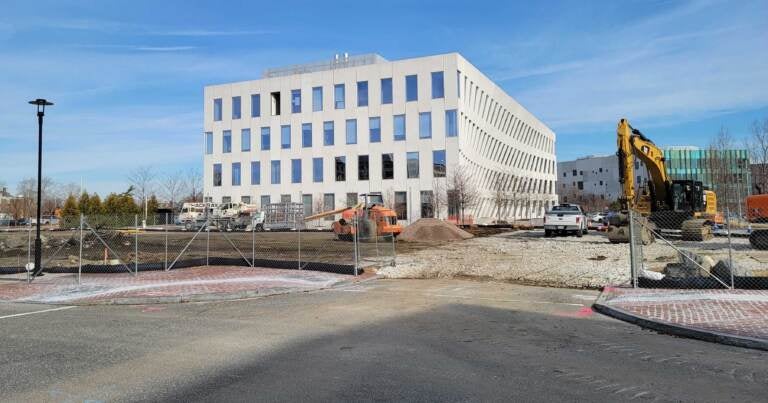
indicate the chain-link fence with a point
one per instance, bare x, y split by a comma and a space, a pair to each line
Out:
130, 244
719, 249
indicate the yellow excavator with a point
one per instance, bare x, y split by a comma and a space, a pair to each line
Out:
681, 207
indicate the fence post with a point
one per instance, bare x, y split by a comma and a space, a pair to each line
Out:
253, 243
207, 241
730, 248
298, 228
80, 260
136, 245
355, 240
394, 252
29, 250
632, 262
165, 264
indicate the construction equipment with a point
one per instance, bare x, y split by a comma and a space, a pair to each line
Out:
757, 216
671, 206
372, 218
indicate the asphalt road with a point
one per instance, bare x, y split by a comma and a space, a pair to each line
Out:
415, 340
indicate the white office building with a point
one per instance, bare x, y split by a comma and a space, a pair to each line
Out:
593, 177
324, 133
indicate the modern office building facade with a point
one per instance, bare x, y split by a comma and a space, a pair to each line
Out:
593, 180
324, 133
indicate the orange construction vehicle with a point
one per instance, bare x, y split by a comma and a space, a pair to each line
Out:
373, 219
757, 215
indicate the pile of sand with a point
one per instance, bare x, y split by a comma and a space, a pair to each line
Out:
433, 230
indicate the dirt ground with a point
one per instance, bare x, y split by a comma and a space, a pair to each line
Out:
527, 257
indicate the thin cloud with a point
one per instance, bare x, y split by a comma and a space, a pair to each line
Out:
203, 33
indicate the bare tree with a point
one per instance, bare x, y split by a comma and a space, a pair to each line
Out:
758, 153
500, 195
173, 186
722, 175
143, 181
194, 184
27, 191
463, 193
389, 198
439, 195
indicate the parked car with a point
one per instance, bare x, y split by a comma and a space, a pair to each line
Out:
564, 219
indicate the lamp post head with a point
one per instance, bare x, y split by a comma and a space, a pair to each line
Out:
41, 104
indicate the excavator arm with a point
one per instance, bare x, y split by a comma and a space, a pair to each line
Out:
632, 143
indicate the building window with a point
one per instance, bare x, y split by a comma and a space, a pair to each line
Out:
328, 133
413, 164
351, 199
306, 202
285, 136
401, 205
245, 140
255, 105
275, 103
374, 130
329, 202
216, 174
458, 84
265, 138
255, 173
236, 104
438, 87
341, 169
574, 172
581, 184
235, 174
387, 166
275, 174
295, 171
317, 170
351, 131
265, 201
208, 143
398, 124
226, 143
226, 199
245, 199
438, 163
362, 168
217, 110
411, 88
306, 135
295, 101
451, 123
565, 174
317, 99
386, 91
425, 125
427, 206
362, 93
338, 96
601, 183
285, 198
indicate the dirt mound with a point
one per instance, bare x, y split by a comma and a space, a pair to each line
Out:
433, 230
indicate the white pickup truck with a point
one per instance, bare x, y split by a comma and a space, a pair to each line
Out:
565, 218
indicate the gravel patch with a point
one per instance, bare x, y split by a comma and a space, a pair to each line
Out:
527, 257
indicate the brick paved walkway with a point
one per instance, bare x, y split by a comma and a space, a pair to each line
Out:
740, 313
173, 286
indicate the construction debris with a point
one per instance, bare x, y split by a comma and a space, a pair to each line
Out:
433, 230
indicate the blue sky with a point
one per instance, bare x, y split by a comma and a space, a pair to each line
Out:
127, 76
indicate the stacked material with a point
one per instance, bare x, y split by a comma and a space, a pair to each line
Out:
433, 230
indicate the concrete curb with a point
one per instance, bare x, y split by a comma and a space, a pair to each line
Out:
600, 305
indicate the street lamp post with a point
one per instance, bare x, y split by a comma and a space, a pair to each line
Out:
41, 104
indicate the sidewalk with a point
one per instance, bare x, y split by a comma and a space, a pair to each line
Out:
736, 317
181, 285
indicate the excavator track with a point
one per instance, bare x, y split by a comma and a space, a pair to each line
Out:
696, 230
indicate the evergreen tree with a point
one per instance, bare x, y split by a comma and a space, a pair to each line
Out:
82, 204
94, 205
70, 213
111, 205
152, 205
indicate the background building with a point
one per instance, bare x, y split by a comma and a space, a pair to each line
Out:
727, 172
593, 181
326, 132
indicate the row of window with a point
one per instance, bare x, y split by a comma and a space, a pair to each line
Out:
329, 136
427, 202
339, 167
339, 96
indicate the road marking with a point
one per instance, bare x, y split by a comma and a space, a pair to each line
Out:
34, 312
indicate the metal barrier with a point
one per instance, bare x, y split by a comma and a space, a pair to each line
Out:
126, 244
